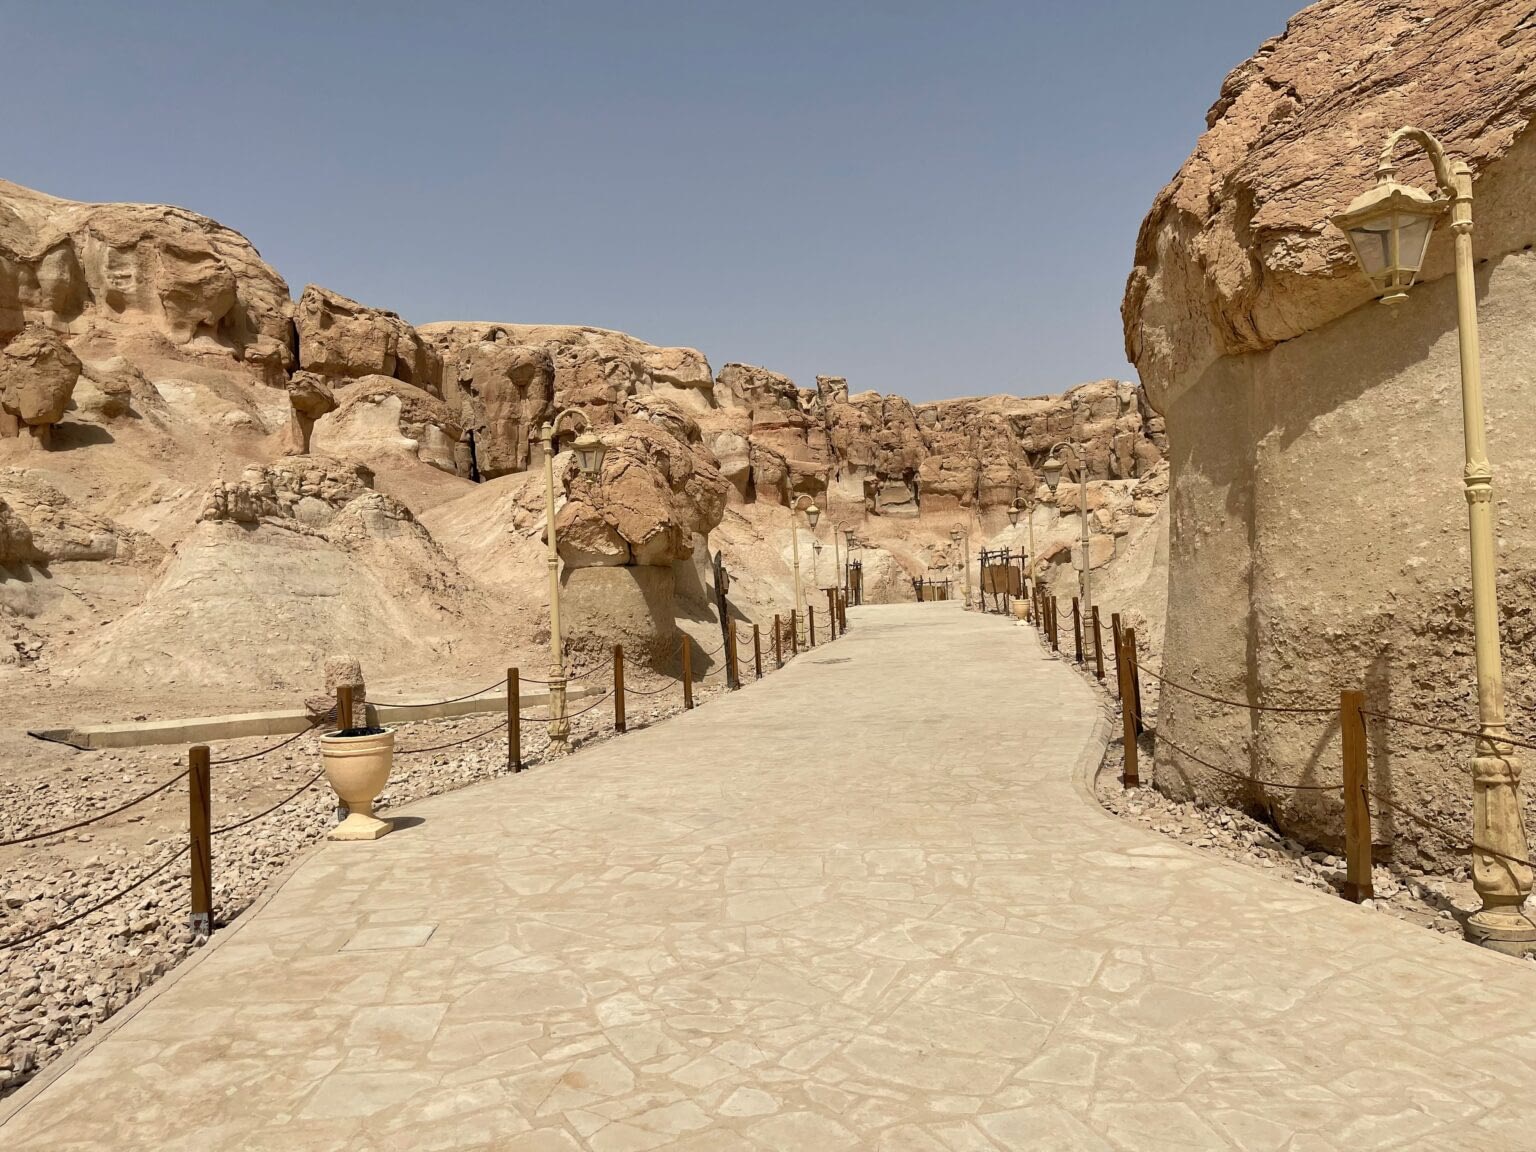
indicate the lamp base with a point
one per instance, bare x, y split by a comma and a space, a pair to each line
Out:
1504, 929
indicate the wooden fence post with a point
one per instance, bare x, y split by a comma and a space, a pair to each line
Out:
618, 688
757, 649
778, 642
1357, 807
1130, 722
1098, 646
810, 620
687, 673
831, 614
794, 632
200, 832
1077, 629
733, 673
514, 722
343, 707
1055, 625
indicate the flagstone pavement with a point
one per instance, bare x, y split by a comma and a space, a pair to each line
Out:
861, 904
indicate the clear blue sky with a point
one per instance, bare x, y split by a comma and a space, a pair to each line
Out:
934, 199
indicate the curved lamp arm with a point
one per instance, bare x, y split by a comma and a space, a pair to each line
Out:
552, 427
1386, 167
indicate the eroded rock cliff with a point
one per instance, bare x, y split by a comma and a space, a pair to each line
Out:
1319, 532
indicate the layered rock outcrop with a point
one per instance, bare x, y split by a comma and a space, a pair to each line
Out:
142, 275
1318, 524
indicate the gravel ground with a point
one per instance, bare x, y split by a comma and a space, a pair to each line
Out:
1436, 902
55, 989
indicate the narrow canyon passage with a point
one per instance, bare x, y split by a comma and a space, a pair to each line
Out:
861, 904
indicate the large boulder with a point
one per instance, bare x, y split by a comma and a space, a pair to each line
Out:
309, 398
340, 339
507, 392
378, 416
656, 493
37, 378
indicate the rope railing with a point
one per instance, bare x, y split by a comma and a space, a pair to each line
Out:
1352, 714
456, 743
137, 800
439, 703
331, 715
297, 792
1292, 708
1495, 737
1460, 841
197, 772
18, 941
1161, 739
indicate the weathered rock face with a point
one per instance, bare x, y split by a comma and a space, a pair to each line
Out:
1318, 535
40, 525
310, 491
377, 416
37, 379
656, 493
139, 274
340, 339
1237, 254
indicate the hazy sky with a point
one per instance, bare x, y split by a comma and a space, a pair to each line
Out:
935, 199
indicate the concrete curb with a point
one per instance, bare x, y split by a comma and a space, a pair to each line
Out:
208, 729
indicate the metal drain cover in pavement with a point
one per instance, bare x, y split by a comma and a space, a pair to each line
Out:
835, 660
386, 937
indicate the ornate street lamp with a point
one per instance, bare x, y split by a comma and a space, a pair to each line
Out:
1052, 469
589, 450
1389, 228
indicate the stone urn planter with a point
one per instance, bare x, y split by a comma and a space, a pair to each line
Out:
357, 763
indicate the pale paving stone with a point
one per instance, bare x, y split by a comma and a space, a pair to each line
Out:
854, 906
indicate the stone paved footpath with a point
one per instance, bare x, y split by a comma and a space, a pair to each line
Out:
862, 904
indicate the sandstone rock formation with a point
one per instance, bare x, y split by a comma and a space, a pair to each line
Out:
310, 399
146, 276
241, 437
37, 378
340, 339
1319, 530
1237, 253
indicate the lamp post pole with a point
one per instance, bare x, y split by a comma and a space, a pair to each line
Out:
1402, 217
811, 514
559, 720
1052, 468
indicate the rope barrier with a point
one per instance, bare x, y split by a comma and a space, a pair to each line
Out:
1309, 709
439, 703
1442, 728
454, 743
94, 819
573, 676
331, 715
667, 687
1161, 739
1436, 826
302, 788
139, 883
